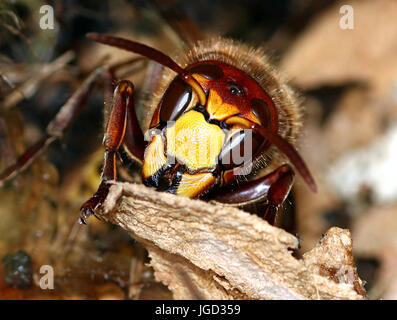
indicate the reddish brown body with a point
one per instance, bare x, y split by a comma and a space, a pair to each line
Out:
222, 92
219, 90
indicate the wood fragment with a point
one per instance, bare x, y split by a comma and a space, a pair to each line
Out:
333, 258
206, 251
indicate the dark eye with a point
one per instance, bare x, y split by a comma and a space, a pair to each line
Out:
235, 90
175, 100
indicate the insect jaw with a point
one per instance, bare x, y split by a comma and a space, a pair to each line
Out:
182, 157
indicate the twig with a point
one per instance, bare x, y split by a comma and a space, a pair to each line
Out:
31, 85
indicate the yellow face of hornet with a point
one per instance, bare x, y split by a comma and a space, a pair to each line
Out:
187, 152
194, 142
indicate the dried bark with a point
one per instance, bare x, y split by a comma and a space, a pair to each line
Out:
333, 258
206, 251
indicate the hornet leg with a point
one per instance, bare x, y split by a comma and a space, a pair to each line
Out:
271, 189
122, 120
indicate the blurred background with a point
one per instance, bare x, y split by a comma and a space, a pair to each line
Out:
348, 82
